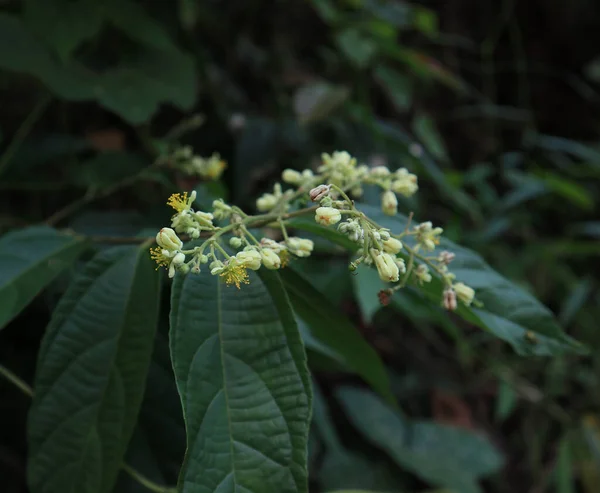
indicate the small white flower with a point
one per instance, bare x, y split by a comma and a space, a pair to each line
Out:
250, 259
327, 216
168, 239
300, 247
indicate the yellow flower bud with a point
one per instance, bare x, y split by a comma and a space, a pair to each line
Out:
465, 293
291, 176
327, 216
389, 203
266, 202
249, 259
168, 239
386, 266
392, 245
300, 246
270, 259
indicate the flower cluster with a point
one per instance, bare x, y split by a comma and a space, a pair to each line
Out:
233, 269
400, 258
210, 168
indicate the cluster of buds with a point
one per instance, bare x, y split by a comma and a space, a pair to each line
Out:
210, 168
397, 257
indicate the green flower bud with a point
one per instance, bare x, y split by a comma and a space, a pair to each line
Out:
235, 242
291, 176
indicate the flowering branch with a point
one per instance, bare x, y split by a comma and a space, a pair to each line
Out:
339, 178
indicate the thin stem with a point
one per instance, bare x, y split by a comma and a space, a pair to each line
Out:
23, 131
16, 381
144, 481
250, 235
220, 248
409, 267
283, 230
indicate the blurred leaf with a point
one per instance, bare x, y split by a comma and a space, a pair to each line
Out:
394, 12
145, 29
506, 401
577, 149
108, 168
425, 130
357, 48
229, 345
441, 455
568, 190
315, 101
425, 20
64, 25
335, 331
342, 468
256, 146
45, 149
398, 86
30, 259
576, 301
565, 482
367, 285
91, 373
453, 194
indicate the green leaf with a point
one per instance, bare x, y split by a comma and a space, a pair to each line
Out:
336, 333
133, 19
359, 49
442, 455
367, 285
241, 372
30, 259
108, 168
63, 25
398, 86
425, 130
91, 372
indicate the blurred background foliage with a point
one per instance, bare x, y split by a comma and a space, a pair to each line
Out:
493, 104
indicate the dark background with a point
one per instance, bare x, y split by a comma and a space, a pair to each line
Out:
493, 104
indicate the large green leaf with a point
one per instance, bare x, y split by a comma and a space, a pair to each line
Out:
442, 455
64, 24
30, 259
334, 331
241, 372
508, 312
134, 89
91, 372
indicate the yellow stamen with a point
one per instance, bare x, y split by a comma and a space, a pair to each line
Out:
285, 258
178, 201
235, 274
161, 259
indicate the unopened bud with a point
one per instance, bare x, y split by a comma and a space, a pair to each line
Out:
449, 299
389, 203
465, 293
318, 193
168, 239
235, 242
270, 259
392, 245
291, 176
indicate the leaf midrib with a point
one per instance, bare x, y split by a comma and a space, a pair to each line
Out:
222, 351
